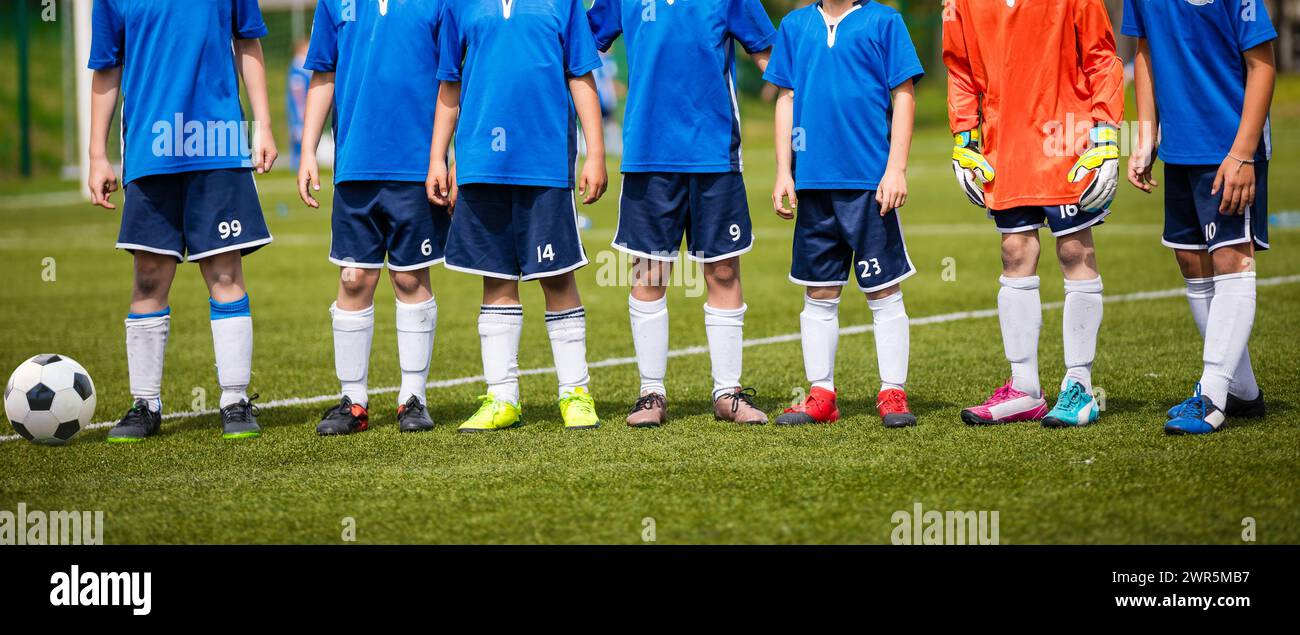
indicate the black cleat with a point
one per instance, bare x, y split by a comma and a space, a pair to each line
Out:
138, 422
239, 420
1243, 409
345, 418
412, 416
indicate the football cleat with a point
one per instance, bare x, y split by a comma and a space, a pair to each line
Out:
578, 410
1196, 415
1006, 405
650, 411
493, 414
1236, 408
345, 418
138, 422
1075, 406
412, 416
239, 420
817, 407
738, 406
892, 406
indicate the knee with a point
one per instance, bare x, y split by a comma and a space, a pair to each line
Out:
824, 293
407, 283
1193, 264
1019, 254
1229, 260
354, 282
1073, 253
725, 273
151, 276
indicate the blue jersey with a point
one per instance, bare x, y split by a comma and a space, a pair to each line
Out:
842, 76
513, 59
180, 92
384, 56
1200, 78
681, 112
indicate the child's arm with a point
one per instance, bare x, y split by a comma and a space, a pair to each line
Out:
439, 185
784, 156
1144, 149
892, 193
105, 86
320, 97
760, 59
1236, 177
586, 102
253, 69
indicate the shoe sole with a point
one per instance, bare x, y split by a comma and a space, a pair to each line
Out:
477, 430
241, 435
590, 427
1057, 424
903, 423
746, 423
972, 419
419, 429
124, 440
645, 424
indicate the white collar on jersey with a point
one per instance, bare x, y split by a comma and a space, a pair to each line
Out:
832, 23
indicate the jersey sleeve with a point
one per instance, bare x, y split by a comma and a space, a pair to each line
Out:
1252, 24
580, 56
901, 61
323, 51
780, 66
107, 35
748, 23
1101, 64
246, 20
1132, 24
451, 47
963, 91
605, 17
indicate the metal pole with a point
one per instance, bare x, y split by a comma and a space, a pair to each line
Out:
24, 94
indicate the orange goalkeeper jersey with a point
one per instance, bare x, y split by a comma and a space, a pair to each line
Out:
1035, 76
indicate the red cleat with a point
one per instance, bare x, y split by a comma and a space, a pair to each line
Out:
892, 406
817, 407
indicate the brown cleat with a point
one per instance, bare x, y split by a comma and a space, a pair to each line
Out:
650, 411
738, 406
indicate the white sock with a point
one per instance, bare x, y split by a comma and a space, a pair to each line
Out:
146, 341
819, 330
1020, 310
650, 339
353, 332
892, 340
416, 324
725, 329
1232, 315
1079, 326
232, 342
499, 326
1200, 292
568, 331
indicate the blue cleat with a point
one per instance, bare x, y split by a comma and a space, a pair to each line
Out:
1075, 406
1235, 408
1197, 415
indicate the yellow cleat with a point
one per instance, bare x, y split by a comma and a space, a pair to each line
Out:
579, 410
492, 415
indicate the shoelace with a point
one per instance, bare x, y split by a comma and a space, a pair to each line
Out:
137, 415
806, 405
489, 403
745, 395
343, 407
648, 402
412, 405
1074, 396
1002, 393
243, 411
893, 401
583, 405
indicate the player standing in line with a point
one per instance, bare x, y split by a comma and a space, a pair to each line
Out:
187, 170
1019, 107
1203, 70
681, 174
383, 58
509, 69
844, 118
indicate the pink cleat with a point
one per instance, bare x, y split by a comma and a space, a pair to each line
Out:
1006, 406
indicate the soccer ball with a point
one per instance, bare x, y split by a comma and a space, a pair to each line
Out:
49, 398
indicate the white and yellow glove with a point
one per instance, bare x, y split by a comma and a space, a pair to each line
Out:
969, 165
1103, 159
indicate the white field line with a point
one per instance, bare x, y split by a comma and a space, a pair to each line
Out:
1140, 296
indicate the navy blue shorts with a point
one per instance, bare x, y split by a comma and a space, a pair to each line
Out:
193, 215
377, 218
1192, 218
514, 232
838, 232
656, 208
1061, 219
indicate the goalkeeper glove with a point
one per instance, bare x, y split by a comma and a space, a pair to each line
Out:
970, 166
1102, 158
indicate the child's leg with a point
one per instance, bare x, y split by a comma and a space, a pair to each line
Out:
819, 330
1231, 318
1198, 271
566, 323
232, 324
148, 324
724, 323
648, 310
1020, 309
353, 316
893, 337
417, 319
1083, 305
500, 322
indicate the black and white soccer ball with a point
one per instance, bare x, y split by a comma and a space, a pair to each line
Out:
49, 399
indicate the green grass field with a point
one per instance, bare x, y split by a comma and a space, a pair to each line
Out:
1121, 481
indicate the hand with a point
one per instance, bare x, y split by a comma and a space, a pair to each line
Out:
308, 180
1140, 161
593, 180
892, 192
1237, 182
102, 183
1103, 159
264, 152
437, 184
784, 190
970, 167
